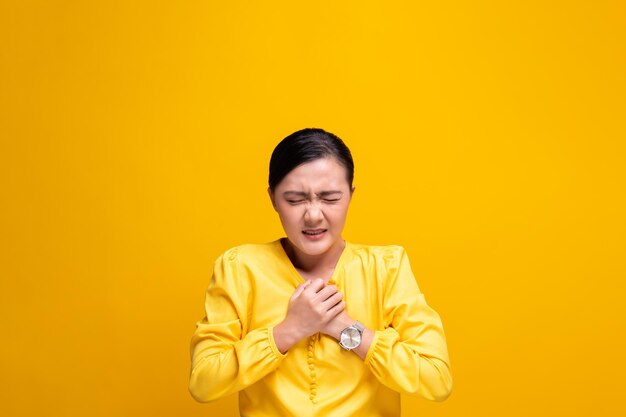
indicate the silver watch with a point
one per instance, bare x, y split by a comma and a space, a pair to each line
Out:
350, 337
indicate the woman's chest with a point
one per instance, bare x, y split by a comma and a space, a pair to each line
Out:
271, 292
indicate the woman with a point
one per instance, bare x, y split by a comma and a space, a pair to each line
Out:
311, 324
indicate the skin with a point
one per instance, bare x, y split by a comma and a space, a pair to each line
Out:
314, 195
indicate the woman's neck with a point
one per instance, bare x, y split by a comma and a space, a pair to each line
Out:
314, 263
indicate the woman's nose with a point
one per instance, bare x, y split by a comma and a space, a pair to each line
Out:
313, 213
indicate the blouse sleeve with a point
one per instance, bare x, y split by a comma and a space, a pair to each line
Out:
410, 355
225, 356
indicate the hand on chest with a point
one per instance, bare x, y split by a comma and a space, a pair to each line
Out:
268, 304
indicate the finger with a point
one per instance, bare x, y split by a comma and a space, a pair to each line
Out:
326, 292
315, 285
336, 309
304, 284
299, 289
333, 300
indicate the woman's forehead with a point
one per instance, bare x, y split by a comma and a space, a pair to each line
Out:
322, 174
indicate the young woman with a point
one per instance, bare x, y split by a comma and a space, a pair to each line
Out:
311, 324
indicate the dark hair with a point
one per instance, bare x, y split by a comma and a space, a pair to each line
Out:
308, 145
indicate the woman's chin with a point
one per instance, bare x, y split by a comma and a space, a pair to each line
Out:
312, 248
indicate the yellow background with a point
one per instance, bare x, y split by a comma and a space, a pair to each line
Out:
135, 140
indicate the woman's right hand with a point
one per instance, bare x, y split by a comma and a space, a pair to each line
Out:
312, 305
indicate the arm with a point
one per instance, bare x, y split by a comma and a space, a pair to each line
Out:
410, 355
225, 357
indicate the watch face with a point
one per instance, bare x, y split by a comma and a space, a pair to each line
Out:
350, 338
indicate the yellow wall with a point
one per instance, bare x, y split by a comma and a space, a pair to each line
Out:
135, 139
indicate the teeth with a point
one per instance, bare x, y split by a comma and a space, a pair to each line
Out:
313, 233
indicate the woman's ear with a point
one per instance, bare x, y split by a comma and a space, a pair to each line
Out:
352, 190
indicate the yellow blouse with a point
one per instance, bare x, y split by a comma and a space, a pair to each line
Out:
233, 349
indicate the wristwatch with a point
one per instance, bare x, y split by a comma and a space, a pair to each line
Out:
350, 337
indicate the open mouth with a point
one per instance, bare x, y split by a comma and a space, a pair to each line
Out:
316, 232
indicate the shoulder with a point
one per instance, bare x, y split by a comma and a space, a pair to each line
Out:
390, 264
248, 252
231, 269
381, 252
387, 255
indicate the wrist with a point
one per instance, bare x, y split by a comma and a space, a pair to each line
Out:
351, 337
336, 326
286, 335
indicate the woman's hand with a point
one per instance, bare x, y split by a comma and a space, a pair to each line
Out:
311, 307
334, 327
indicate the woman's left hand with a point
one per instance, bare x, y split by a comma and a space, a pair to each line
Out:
334, 327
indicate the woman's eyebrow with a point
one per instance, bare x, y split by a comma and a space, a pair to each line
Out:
294, 194
303, 194
327, 193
